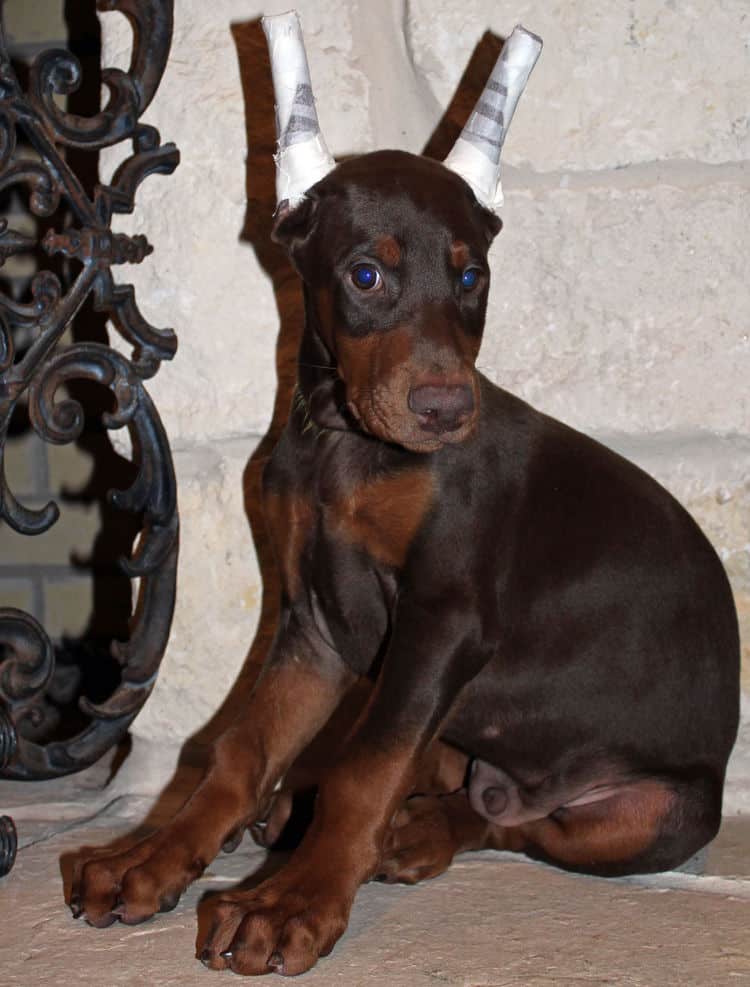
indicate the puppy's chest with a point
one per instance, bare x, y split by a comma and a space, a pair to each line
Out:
379, 514
343, 514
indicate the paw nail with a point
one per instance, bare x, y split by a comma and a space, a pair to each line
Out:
276, 961
205, 956
226, 955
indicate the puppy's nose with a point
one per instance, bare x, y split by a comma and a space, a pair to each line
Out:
441, 409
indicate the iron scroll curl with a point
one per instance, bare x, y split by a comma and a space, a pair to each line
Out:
36, 137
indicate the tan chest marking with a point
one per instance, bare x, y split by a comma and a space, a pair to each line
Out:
289, 517
384, 515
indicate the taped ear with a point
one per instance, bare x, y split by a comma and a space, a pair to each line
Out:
476, 154
302, 158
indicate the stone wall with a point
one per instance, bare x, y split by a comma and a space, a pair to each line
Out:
620, 282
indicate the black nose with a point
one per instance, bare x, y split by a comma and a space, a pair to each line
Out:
441, 409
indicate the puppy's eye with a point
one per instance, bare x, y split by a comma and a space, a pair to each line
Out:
470, 278
365, 276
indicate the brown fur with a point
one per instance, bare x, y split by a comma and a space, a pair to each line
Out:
290, 519
383, 516
459, 255
388, 250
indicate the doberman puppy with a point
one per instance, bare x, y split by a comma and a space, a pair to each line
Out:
550, 635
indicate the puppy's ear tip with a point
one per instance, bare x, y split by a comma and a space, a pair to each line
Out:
282, 211
293, 224
493, 223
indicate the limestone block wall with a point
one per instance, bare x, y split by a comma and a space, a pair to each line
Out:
620, 283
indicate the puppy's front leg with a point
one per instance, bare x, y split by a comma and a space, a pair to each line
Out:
289, 921
296, 693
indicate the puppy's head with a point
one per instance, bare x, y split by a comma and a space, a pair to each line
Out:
392, 248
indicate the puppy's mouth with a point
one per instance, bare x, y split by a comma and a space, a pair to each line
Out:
431, 417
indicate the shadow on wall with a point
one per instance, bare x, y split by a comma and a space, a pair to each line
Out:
257, 92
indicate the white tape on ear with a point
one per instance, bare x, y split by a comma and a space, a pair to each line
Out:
476, 154
302, 158
478, 171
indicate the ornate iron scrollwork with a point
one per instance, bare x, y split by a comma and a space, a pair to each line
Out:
40, 372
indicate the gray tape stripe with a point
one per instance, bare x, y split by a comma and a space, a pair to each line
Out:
298, 128
496, 86
486, 125
303, 94
303, 122
487, 135
488, 130
491, 111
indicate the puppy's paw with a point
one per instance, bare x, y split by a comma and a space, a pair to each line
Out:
283, 926
421, 842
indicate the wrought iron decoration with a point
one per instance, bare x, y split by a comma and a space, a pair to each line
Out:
39, 371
